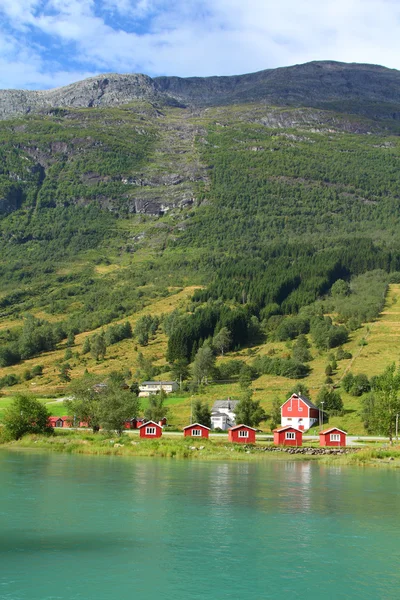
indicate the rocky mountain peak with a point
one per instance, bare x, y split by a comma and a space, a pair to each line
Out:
320, 84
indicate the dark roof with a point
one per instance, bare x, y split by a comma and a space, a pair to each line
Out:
305, 400
158, 382
231, 404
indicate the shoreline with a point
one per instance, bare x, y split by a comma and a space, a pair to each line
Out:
210, 450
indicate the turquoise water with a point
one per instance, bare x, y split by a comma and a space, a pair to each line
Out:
106, 528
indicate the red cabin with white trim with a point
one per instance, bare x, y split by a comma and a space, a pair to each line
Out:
332, 437
150, 430
242, 434
299, 412
288, 436
196, 430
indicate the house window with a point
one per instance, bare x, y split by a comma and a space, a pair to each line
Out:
243, 434
289, 408
289, 435
196, 432
288, 418
150, 431
300, 408
335, 437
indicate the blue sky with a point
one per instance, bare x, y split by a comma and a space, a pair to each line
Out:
48, 43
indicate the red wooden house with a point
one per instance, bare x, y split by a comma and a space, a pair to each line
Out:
332, 437
242, 434
299, 412
55, 422
288, 436
150, 430
196, 430
59, 422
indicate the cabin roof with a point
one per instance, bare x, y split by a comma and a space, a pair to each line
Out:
332, 429
150, 423
240, 427
197, 425
287, 427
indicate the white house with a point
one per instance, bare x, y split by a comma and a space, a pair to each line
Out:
223, 414
152, 387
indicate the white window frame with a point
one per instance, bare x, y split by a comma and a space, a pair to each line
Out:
335, 437
196, 432
290, 435
243, 433
289, 408
151, 431
300, 408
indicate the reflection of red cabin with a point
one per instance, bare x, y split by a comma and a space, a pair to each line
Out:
196, 430
242, 434
59, 422
150, 430
288, 436
332, 437
299, 412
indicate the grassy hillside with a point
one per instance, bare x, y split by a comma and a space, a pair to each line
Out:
233, 216
373, 346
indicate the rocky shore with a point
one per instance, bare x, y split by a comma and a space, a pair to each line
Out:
310, 451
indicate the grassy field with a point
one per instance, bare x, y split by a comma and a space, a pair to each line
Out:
119, 356
181, 448
382, 347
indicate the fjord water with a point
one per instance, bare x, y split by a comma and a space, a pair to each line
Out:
105, 528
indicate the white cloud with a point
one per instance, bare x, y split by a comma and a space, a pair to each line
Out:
190, 37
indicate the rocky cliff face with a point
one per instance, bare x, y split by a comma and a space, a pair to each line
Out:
105, 90
368, 89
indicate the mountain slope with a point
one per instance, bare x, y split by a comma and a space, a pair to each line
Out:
366, 89
107, 211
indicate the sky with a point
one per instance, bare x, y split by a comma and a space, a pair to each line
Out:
49, 43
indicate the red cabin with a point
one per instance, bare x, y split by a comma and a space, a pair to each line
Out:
288, 436
134, 423
150, 430
332, 437
59, 422
242, 434
196, 430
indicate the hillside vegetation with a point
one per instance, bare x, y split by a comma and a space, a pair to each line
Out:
132, 236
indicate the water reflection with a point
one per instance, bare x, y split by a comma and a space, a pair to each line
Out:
179, 529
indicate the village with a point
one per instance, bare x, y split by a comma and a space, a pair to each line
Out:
298, 415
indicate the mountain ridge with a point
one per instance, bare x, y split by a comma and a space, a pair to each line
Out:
318, 83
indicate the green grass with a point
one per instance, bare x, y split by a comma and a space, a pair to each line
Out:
187, 448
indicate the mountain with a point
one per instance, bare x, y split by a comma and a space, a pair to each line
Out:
368, 89
249, 197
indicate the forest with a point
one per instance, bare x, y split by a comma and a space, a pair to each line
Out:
279, 217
